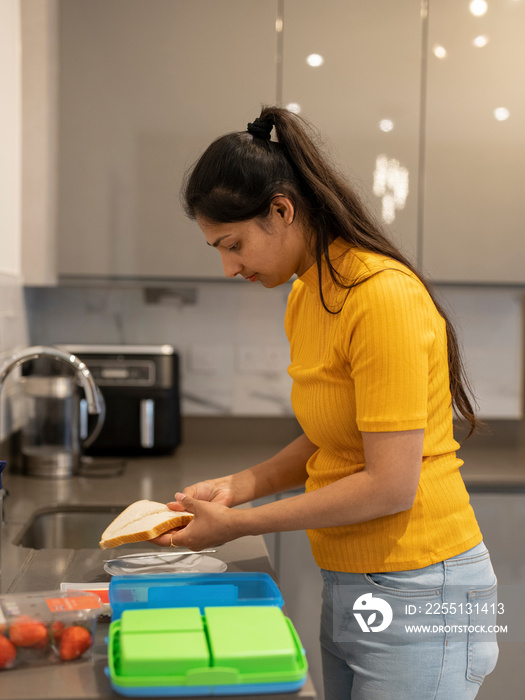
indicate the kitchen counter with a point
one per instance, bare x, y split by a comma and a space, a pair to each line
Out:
111, 482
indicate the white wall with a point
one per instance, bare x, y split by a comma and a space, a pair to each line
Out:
10, 137
13, 326
13, 330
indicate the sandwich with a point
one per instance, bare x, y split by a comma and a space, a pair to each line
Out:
142, 520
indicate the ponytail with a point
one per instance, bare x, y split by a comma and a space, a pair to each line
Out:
240, 173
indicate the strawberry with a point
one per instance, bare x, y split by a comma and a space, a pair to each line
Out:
74, 642
57, 630
7, 652
25, 631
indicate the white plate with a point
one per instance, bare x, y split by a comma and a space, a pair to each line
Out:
154, 564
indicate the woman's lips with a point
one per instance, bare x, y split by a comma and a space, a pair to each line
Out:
253, 278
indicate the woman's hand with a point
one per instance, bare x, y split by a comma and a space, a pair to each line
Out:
213, 523
212, 500
212, 490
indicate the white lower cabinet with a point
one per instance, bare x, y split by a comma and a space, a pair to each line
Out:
300, 582
501, 517
301, 585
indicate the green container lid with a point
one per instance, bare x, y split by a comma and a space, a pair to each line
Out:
251, 639
161, 620
168, 653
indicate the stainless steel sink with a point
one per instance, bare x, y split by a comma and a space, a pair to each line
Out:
67, 527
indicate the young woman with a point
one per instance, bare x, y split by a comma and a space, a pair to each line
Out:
376, 375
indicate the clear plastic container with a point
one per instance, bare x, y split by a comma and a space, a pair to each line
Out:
46, 627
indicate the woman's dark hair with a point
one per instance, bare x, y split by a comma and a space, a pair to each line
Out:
240, 174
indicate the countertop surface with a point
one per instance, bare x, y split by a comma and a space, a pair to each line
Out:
492, 463
109, 482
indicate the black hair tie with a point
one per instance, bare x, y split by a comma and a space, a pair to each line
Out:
261, 128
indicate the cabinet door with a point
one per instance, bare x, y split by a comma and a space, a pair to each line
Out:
474, 165
301, 585
145, 86
364, 98
501, 517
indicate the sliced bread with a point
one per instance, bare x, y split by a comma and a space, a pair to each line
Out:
142, 520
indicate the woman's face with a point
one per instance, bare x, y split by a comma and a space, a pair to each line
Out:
269, 255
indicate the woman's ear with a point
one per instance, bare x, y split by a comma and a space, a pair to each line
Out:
284, 208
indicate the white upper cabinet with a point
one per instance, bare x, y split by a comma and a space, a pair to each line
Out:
433, 140
474, 222
363, 95
145, 86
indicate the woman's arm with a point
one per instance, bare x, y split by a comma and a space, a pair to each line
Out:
387, 485
286, 470
282, 472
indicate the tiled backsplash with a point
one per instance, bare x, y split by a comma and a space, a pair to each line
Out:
489, 322
230, 337
234, 352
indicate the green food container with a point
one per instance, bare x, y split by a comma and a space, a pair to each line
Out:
226, 650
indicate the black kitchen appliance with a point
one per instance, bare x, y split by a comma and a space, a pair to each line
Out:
140, 384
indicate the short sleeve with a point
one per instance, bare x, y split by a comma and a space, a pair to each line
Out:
392, 322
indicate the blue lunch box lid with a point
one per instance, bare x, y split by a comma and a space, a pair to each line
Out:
192, 590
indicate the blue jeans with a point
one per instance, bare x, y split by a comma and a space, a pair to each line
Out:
422, 634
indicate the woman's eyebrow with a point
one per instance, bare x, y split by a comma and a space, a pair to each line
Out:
216, 242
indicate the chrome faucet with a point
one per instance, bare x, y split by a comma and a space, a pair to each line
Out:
94, 399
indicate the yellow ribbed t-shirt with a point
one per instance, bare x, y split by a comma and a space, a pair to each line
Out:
378, 365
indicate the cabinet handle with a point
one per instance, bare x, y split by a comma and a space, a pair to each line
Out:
147, 415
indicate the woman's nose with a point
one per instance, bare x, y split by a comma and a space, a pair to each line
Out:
231, 267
